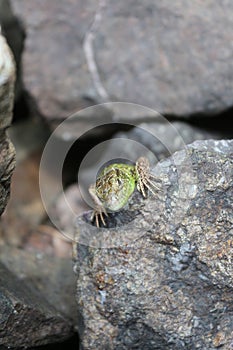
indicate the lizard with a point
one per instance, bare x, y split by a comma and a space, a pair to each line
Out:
115, 185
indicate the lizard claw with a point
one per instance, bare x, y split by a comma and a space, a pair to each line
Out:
98, 213
99, 210
145, 177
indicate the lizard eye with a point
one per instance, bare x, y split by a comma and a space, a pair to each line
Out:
119, 182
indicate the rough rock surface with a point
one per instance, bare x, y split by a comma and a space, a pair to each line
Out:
172, 56
13, 30
55, 32
7, 164
38, 265
160, 275
7, 153
25, 319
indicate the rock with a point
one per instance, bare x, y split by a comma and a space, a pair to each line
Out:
7, 75
7, 165
26, 319
42, 263
159, 276
47, 43
154, 54
7, 153
13, 30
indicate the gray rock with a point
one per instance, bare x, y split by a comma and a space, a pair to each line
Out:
7, 152
47, 274
26, 319
7, 165
155, 54
160, 275
171, 56
58, 46
13, 30
7, 80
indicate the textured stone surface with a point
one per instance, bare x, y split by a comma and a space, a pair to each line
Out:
42, 265
26, 319
13, 30
160, 275
172, 56
7, 165
7, 153
7, 80
55, 32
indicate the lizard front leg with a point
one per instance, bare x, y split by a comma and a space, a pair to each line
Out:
144, 177
99, 210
